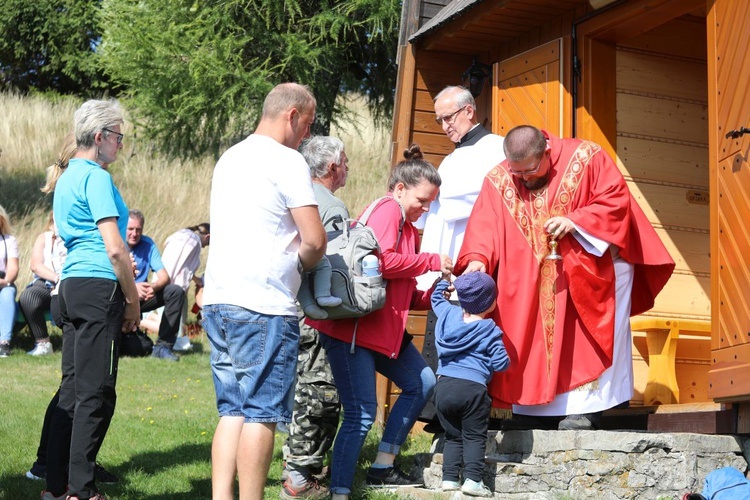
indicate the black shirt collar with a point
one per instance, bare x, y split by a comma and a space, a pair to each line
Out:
473, 136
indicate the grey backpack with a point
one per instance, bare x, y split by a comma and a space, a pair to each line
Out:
346, 248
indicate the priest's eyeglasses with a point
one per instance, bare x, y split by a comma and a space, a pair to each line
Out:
449, 118
528, 172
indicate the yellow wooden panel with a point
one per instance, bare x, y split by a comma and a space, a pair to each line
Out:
423, 102
685, 296
664, 162
437, 144
671, 205
662, 118
548, 54
652, 74
528, 90
690, 250
679, 37
425, 122
734, 248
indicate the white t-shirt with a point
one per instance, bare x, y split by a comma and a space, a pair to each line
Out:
182, 257
253, 261
12, 249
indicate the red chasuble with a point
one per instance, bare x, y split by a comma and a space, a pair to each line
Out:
558, 316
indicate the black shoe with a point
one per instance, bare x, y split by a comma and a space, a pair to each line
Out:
164, 352
102, 475
585, 422
528, 422
390, 477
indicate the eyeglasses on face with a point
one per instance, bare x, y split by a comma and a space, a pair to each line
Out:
449, 118
118, 134
528, 172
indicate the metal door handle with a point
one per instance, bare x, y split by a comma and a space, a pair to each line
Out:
735, 134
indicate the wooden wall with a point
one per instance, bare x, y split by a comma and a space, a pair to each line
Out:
662, 150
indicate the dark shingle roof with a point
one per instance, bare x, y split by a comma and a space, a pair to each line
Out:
451, 11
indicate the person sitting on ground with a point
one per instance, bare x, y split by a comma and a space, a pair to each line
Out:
470, 349
158, 293
47, 257
182, 258
8, 275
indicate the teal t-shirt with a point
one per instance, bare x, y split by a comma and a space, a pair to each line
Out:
84, 195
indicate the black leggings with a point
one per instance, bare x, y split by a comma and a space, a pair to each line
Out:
34, 302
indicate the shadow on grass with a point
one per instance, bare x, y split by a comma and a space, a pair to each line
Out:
138, 477
21, 193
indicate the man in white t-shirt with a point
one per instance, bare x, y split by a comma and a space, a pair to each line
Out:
265, 230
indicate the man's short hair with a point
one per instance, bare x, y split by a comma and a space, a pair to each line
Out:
136, 214
286, 96
523, 142
319, 152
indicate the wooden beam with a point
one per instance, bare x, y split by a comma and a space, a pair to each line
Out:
634, 18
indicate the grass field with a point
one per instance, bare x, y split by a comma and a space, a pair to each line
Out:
159, 443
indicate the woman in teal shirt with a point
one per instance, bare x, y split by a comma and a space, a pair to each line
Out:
98, 300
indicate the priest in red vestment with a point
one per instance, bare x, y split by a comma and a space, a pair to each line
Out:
566, 320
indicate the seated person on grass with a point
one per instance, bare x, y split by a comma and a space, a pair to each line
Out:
159, 292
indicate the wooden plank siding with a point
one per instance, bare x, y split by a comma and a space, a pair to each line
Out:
662, 150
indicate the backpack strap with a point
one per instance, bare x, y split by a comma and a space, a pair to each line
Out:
375, 204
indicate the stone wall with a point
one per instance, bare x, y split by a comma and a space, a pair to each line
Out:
605, 465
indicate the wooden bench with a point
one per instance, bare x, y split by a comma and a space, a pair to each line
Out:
662, 335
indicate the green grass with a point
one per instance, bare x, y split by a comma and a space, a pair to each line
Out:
159, 443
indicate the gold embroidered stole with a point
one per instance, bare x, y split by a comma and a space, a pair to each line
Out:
530, 216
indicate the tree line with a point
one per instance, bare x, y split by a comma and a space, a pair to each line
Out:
194, 73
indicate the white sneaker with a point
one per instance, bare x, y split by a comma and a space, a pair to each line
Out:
182, 344
475, 489
33, 476
450, 486
42, 349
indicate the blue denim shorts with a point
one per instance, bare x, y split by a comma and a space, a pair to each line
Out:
254, 362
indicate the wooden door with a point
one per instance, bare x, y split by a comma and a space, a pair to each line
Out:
729, 110
529, 90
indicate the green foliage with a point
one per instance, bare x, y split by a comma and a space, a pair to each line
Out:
197, 71
48, 45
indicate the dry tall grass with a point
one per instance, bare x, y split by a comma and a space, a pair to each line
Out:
171, 193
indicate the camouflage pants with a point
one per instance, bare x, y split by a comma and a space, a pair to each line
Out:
316, 406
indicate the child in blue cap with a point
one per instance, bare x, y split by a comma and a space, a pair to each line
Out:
470, 349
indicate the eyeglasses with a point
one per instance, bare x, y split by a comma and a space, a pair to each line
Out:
529, 172
118, 134
449, 118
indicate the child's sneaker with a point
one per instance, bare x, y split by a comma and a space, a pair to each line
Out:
475, 489
450, 486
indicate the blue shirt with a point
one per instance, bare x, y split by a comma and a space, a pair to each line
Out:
147, 258
470, 351
84, 195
